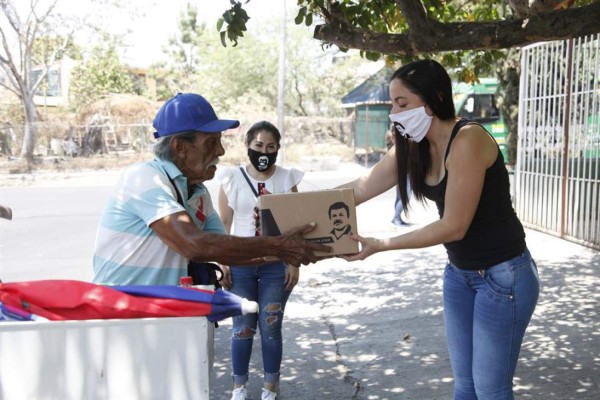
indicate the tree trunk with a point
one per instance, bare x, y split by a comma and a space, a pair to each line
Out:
93, 142
30, 131
509, 78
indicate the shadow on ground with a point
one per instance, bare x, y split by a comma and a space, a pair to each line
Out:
374, 330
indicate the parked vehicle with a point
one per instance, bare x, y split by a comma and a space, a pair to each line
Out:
371, 105
478, 103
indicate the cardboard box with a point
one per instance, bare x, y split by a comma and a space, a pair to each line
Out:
332, 210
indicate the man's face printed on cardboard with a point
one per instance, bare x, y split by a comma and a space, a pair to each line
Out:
339, 218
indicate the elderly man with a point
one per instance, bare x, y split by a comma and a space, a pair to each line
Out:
161, 216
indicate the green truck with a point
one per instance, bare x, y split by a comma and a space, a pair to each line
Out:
477, 102
591, 147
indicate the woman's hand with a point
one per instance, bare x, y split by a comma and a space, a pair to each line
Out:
368, 246
292, 274
225, 280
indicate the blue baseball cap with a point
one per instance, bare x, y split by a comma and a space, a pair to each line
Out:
189, 112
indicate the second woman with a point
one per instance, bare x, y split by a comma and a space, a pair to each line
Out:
269, 284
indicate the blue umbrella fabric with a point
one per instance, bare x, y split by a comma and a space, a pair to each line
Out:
226, 304
223, 304
10, 313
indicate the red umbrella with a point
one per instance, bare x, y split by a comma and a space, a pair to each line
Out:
77, 300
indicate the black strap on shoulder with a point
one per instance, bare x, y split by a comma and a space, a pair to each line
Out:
461, 122
179, 198
249, 183
201, 273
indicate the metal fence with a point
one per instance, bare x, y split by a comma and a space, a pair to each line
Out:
103, 135
71, 139
557, 176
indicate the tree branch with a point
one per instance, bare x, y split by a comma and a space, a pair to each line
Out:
11, 16
49, 62
538, 6
520, 8
436, 36
11, 89
7, 63
415, 15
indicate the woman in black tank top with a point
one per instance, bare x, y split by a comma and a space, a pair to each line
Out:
490, 282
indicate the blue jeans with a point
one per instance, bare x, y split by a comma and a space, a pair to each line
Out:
264, 284
486, 313
398, 206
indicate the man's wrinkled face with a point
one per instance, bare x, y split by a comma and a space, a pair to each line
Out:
339, 218
198, 159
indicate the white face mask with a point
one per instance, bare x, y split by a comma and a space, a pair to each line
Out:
412, 124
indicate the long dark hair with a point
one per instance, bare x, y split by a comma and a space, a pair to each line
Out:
430, 81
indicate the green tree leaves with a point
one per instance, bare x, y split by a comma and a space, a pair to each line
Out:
100, 75
236, 18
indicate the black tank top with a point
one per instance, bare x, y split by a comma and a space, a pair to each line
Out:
495, 234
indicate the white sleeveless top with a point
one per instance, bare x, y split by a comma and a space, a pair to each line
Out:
241, 197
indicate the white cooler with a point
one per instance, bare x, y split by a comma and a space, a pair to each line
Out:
150, 358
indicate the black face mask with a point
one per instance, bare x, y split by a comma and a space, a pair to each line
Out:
262, 161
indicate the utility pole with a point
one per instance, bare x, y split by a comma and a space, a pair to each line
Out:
281, 82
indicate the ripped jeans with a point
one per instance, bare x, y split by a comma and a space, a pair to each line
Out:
264, 284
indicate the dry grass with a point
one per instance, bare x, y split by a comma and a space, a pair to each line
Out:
303, 137
235, 155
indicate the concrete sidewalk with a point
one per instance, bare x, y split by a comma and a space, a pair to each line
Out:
374, 329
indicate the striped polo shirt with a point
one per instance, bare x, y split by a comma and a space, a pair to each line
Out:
127, 251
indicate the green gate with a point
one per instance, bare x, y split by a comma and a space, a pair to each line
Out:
371, 123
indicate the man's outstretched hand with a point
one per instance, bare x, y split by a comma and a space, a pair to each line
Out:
295, 250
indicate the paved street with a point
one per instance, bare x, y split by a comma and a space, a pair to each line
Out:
374, 329
364, 330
